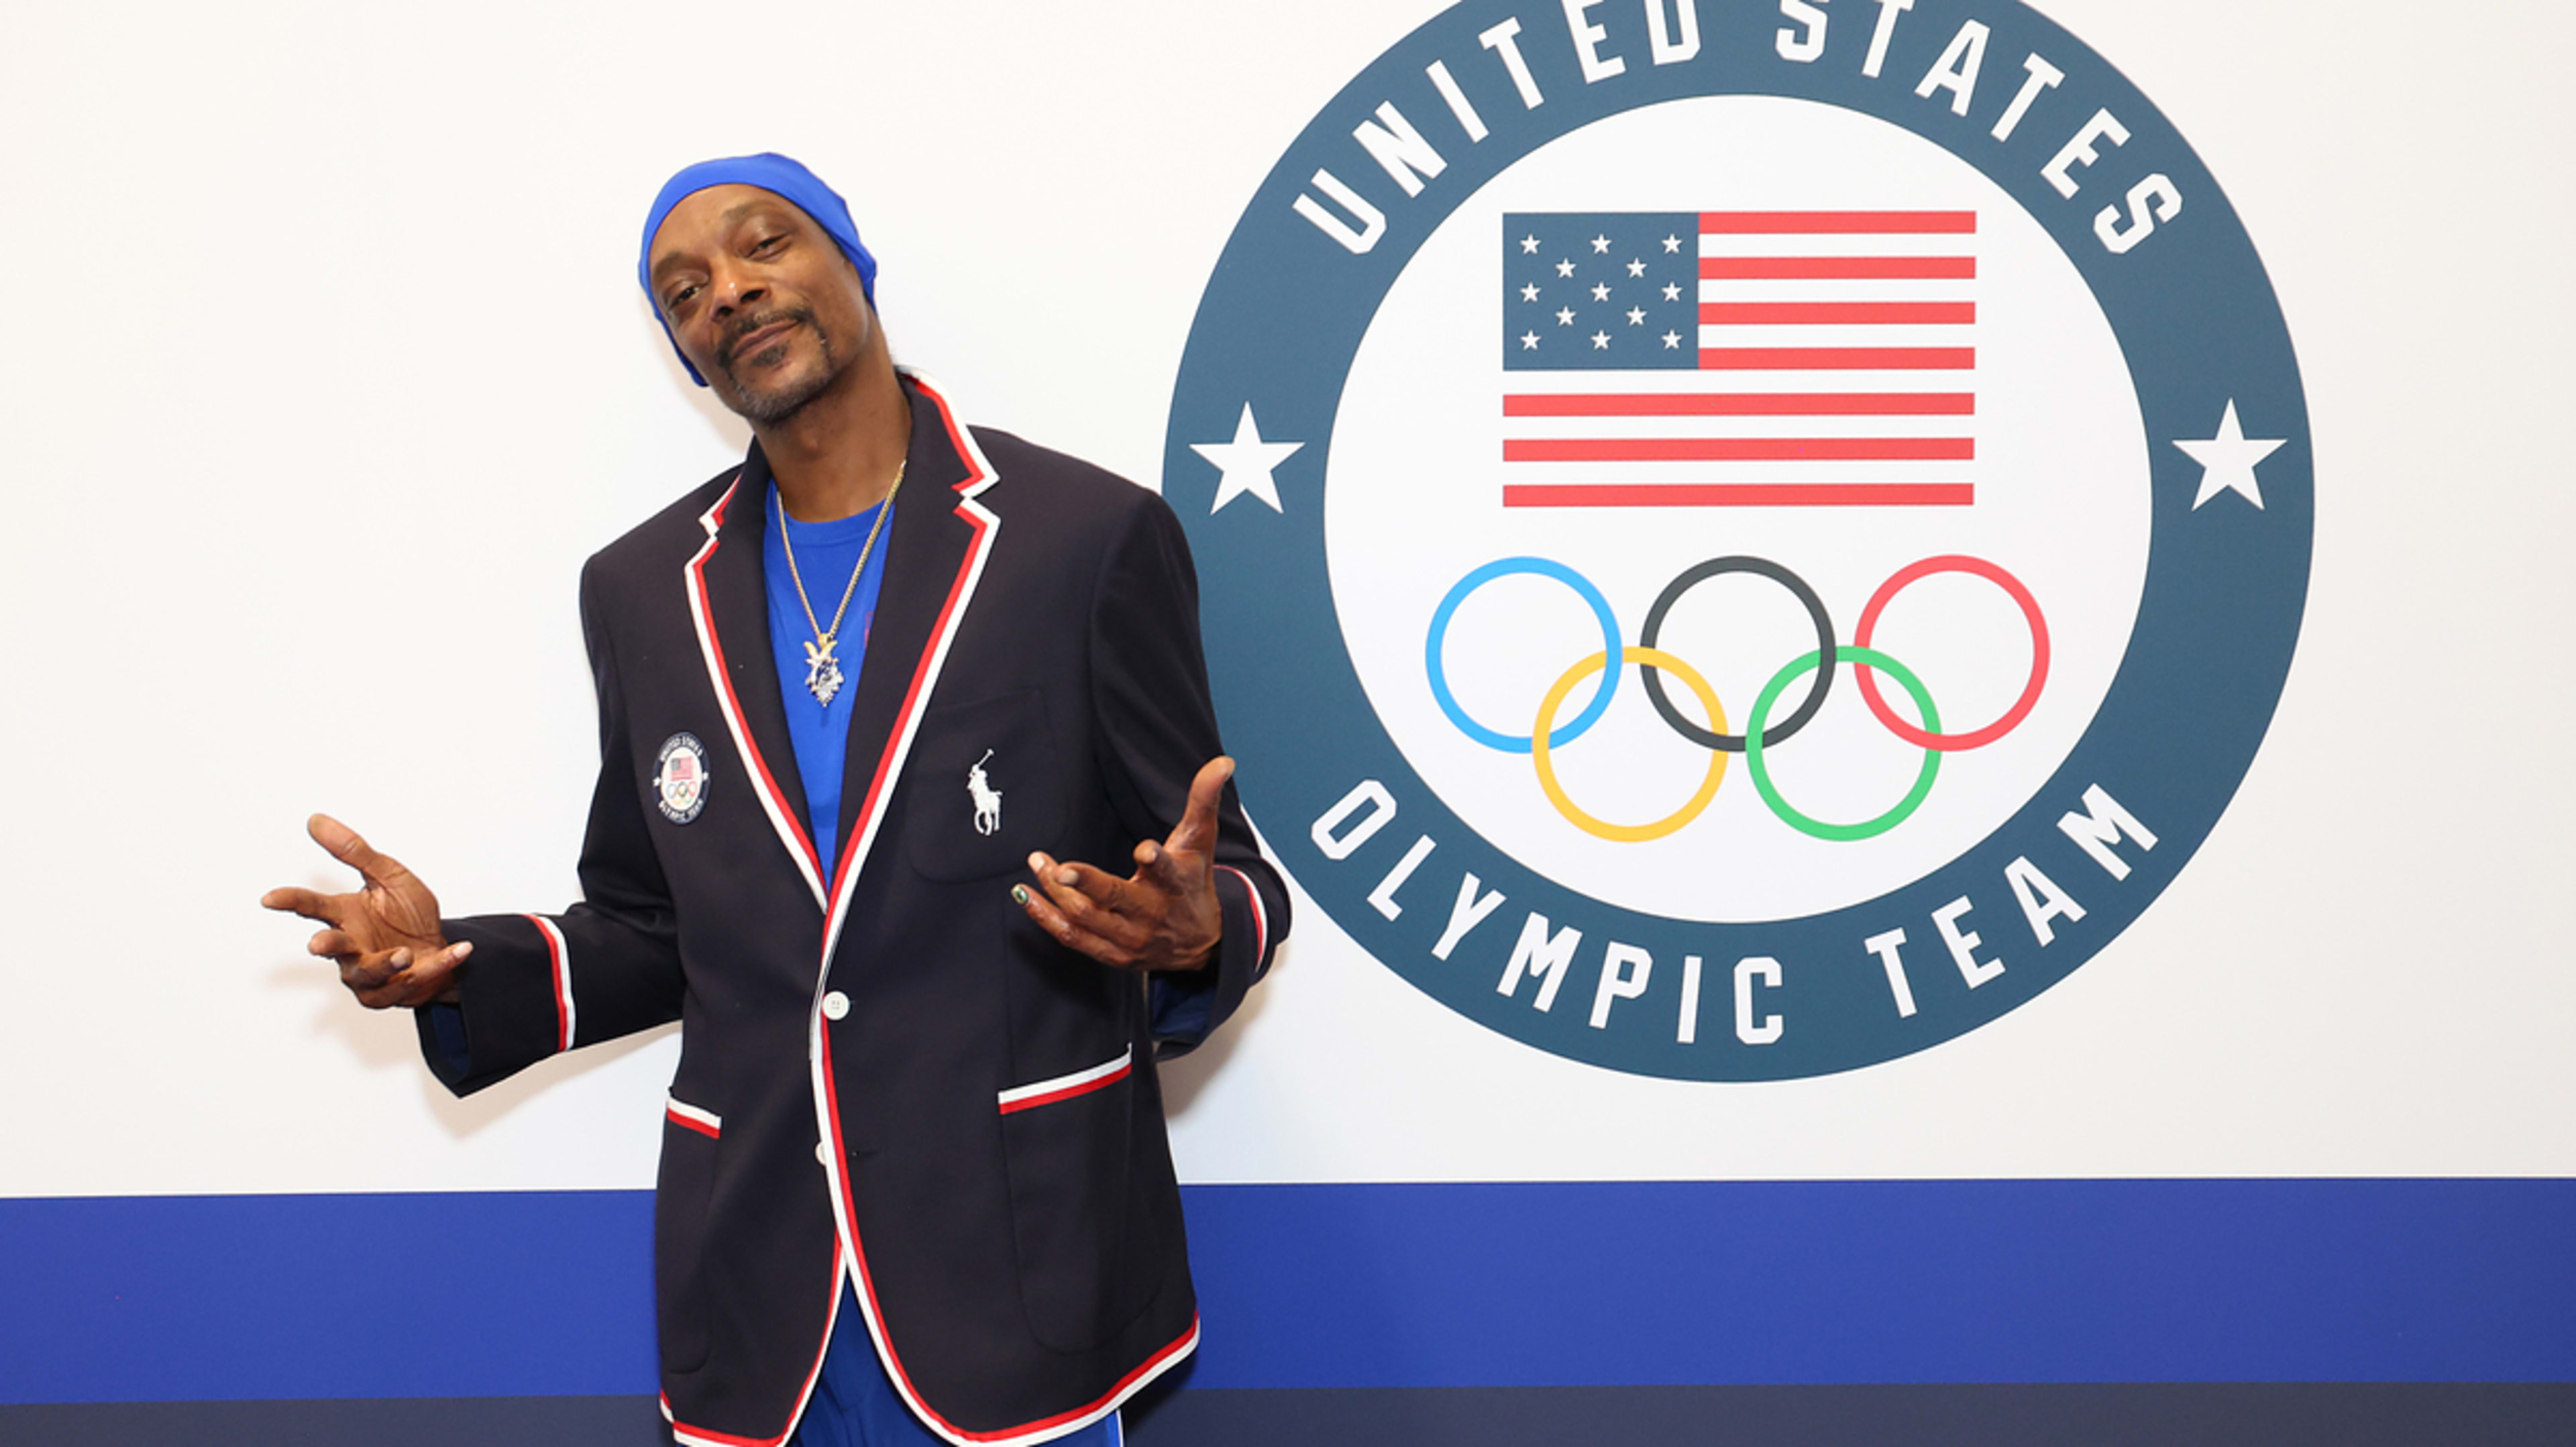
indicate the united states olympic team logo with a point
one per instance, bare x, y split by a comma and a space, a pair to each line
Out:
1741, 539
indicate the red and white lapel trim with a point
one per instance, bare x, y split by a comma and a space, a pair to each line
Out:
925, 673
773, 800
1065, 1087
986, 526
561, 955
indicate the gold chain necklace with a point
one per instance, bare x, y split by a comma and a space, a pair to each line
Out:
822, 669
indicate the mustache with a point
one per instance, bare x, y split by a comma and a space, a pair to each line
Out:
745, 326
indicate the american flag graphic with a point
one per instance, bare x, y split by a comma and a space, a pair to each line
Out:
1833, 358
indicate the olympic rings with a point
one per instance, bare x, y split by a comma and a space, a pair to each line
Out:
1860, 658
1933, 738
1734, 743
1759, 735
1627, 833
1545, 568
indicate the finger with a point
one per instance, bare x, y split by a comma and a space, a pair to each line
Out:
1066, 932
365, 972
429, 979
1197, 831
1173, 873
398, 978
331, 944
1096, 903
1071, 881
323, 907
344, 843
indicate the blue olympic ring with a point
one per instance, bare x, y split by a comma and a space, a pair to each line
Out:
1559, 737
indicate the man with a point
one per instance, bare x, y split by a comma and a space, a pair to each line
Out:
857, 696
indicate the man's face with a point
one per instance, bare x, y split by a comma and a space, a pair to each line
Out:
761, 301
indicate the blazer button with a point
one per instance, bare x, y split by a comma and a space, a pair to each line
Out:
835, 1005
822, 1154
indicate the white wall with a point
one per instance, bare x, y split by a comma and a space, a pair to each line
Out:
325, 370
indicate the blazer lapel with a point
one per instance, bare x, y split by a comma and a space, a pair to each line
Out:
936, 546
737, 601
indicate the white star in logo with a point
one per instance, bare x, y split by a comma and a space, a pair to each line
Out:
1565, 268
1565, 317
1636, 316
1672, 245
1672, 341
1530, 292
1529, 341
1246, 462
1601, 292
1601, 245
1636, 268
1600, 341
1529, 246
1672, 291
2227, 460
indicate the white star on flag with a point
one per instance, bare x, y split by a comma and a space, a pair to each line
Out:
1246, 463
2227, 460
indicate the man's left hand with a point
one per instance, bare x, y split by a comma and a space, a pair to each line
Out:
1164, 916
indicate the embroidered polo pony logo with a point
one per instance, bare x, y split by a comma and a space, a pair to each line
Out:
988, 800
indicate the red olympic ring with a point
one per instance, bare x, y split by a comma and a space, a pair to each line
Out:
1954, 743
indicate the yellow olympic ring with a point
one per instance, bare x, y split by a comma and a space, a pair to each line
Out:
1627, 833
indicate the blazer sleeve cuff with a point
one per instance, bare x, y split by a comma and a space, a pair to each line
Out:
1188, 1008
514, 1003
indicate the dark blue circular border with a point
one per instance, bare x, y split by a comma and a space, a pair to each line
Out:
2199, 325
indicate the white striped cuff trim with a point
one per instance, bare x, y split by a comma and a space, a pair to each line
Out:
1065, 1087
560, 954
1260, 916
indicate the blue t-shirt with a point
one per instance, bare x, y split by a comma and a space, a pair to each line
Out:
825, 554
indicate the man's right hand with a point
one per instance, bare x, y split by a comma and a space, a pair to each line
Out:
385, 938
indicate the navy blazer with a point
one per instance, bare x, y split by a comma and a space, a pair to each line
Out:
892, 1072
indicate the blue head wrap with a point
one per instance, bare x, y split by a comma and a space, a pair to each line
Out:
771, 172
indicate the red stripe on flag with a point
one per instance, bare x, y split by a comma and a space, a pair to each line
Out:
1836, 223
1838, 268
1740, 449
1839, 313
1838, 359
1741, 494
1744, 404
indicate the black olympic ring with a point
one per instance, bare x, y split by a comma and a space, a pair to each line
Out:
1776, 733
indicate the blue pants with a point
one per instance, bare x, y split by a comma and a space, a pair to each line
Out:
856, 1406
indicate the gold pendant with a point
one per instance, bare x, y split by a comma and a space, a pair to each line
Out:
822, 671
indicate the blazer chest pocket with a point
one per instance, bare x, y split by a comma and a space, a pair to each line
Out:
984, 787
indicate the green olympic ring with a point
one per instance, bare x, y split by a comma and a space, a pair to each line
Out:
1761, 771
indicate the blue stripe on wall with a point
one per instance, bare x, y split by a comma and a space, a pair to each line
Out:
540, 1293
178, 1298
1887, 1281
